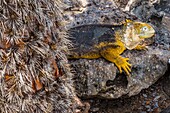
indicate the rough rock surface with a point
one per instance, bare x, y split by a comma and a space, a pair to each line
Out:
100, 78
151, 100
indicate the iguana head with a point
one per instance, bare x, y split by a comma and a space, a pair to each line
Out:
135, 32
143, 30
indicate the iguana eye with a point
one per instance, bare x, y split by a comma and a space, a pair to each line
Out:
144, 28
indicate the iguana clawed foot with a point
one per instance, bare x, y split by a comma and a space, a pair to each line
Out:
122, 63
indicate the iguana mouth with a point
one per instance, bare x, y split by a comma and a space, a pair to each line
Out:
148, 35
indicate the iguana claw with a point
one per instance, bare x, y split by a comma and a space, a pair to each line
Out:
122, 63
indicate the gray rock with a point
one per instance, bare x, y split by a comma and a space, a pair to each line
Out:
166, 21
167, 110
100, 78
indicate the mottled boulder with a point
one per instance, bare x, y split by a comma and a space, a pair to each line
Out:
100, 78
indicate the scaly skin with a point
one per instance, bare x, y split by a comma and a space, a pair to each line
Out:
95, 41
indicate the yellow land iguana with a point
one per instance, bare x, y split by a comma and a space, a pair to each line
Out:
109, 41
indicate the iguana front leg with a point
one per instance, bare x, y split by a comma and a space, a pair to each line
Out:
112, 54
141, 47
